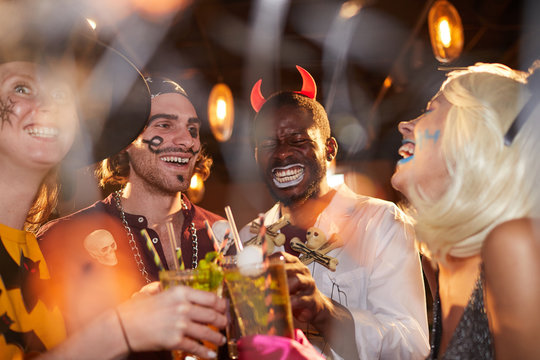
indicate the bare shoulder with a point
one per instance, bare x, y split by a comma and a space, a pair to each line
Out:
512, 241
511, 257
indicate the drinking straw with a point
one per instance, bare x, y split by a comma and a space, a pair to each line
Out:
234, 230
223, 248
262, 235
172, 239
211, 235
152, 249
179, 257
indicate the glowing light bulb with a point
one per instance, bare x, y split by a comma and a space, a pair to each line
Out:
196, 182
387, 82
349, 9
221, 110
445, 33
196, 188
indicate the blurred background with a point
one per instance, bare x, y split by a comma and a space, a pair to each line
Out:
375, 63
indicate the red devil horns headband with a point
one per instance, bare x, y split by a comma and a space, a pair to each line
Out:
309, 89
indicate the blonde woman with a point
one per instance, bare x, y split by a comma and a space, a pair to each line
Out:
471, 183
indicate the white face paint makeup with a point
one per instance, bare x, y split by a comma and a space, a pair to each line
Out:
287, 176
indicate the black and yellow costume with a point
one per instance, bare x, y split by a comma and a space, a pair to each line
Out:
29, 322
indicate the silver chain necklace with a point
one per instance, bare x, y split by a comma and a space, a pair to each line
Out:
133, 243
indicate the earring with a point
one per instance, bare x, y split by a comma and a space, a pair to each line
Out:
329, 157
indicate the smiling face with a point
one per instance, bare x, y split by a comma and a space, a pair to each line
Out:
423, 165
290, 152
164, 155
38, 117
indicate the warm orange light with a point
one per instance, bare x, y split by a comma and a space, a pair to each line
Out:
387, 82
349, 9
221, 112
445, 31
196, 188
157, 8
221, 109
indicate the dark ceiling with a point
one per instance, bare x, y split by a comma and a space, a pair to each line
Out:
240, 41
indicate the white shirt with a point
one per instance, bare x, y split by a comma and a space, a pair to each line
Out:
378, 278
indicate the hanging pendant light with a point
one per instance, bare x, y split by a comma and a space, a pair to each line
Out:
445, 31
158, 8
221, 112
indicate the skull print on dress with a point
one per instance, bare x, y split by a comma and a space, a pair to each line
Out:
101, 245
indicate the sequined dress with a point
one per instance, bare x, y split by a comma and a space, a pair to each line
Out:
472, 339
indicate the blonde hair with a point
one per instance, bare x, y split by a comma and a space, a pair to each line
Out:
489, 182
44, 202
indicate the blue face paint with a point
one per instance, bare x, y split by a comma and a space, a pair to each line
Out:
427, 136
435, 135
405, 160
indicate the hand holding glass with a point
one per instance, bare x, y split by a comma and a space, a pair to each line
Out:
207, 279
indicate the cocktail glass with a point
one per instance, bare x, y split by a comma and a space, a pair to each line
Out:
260, 300
207, 279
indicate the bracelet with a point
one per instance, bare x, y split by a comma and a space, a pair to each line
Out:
130, 350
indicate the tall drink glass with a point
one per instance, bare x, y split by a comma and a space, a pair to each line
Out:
260, 300
201, 279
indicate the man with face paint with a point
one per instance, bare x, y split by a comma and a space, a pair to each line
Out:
372, 305
109, 259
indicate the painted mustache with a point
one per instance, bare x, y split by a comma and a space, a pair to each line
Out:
176, 150
155, 142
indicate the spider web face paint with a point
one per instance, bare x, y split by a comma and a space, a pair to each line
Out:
6, 109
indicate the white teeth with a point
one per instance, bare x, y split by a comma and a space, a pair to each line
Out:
288, 173
406, 150
175, 159
288, 176
43, 132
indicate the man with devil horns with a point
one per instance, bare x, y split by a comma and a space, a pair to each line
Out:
363, 296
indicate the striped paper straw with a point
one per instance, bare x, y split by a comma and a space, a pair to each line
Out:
234, 230
211, 235
152, 249
177, 250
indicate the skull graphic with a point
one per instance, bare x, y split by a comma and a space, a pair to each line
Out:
101, 245
316, 238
